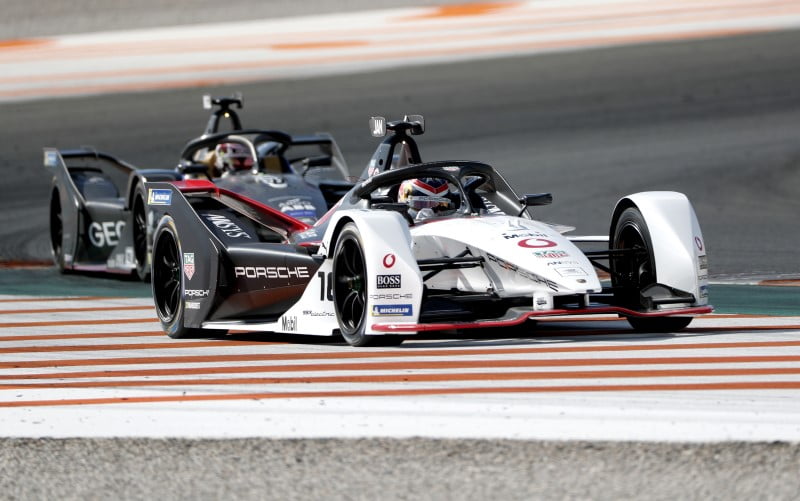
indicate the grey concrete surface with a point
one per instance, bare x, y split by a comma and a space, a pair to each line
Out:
129, 469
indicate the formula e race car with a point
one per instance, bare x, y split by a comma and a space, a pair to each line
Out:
98, 208
415, 247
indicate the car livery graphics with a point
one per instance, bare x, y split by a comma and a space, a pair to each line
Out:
378, 267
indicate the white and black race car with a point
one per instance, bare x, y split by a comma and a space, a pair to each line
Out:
98, 206
416, 247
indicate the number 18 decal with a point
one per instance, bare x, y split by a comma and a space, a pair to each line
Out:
326, 286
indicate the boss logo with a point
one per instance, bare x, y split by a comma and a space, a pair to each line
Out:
389, 281
271, 272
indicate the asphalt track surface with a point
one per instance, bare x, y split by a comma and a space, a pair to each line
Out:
716, 119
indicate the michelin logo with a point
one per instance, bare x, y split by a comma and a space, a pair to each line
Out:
392, 310
159, 197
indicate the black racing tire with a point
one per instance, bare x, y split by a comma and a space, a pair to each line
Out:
351, 290
167, 281
57, 231
630, 275
140, 243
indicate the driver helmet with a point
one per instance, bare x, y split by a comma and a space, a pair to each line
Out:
426, 197
232, 157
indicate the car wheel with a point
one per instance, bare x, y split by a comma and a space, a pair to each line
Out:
630, 274
350, 291
140, 236
167, 282
57, 230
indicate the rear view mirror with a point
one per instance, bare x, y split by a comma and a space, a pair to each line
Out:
536, 199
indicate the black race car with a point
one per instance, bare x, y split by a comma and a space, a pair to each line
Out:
99, 219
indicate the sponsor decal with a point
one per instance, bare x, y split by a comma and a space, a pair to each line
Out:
703, 291
50, 158
509, 235
120, 260
308, 234
702, 262
105, 234
516, 225
551, 254
699, 243
195, 293
571, 272
289, 323
311, 313
388, 281
392, 310
378, 126
389, 260
298, 208
271, 180
192, 305
129, 257
563, 263
188, 264
394, 296
523, 273
271, 271
536, 243
159, 197
227, 226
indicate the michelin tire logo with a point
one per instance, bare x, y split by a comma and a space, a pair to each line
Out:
159, 197
392, 310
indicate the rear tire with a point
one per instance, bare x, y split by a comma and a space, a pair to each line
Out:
351, 290
630, 275
140, 236
57, 231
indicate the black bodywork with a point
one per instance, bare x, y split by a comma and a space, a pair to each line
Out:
98, 206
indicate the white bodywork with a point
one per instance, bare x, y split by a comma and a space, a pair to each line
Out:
521, 257
678, 245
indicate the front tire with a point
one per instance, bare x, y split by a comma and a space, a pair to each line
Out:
631, 274
350, 291
167, 281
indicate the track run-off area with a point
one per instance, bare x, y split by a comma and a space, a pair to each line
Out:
101, 367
